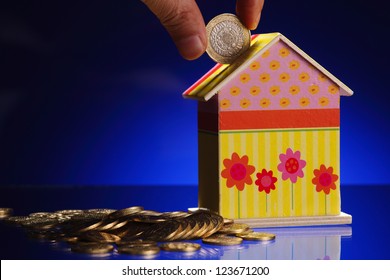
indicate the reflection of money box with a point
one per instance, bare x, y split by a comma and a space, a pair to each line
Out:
269, 137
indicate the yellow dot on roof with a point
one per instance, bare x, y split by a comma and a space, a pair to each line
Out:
225, 103
266, 54
284, 52
264, 77
264, 102
245, 103
323, 101
255, 90
274, 65
304, 101
274, 90
304, 77
293, 64
314, 89
235, 91
294, 89
333, 89
244, 78
284, 102
321, 77
284, 77
254, 65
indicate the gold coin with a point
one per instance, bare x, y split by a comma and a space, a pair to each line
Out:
227, 37
107, 224
227, 221
5, 212
221, 239
175, 214
260, 236
180, 246
193, 228
18, 219
98, 236
136, 243
234, 228
142, 250
125, 212
164, 231
92, 248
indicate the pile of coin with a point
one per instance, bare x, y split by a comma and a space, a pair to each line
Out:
134, 230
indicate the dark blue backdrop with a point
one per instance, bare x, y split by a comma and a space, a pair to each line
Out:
90, 91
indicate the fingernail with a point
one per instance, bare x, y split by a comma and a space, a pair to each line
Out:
255, 23
191, 47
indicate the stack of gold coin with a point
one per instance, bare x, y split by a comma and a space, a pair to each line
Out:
134, 230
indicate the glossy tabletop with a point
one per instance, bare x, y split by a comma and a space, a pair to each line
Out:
366, 238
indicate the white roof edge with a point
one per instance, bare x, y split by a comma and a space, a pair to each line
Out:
344, 90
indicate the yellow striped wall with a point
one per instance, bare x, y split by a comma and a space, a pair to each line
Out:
317, 146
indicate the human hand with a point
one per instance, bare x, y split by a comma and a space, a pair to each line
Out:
184, 22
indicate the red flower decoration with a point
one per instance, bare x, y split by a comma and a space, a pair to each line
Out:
324, 179
265, 181
237, 171
291, 165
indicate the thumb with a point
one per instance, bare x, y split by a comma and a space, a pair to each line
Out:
184, 22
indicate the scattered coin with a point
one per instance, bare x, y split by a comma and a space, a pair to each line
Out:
180, 246
136, 243
142, 250
222, 239
92, 248
234, 228
260, 236
227, 221
134, 230
228, 38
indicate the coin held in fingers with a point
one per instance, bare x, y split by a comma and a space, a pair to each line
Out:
227, 37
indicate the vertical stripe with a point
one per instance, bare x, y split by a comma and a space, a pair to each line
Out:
298, 184
274, 161
305, 183
237, 197
268, 165
256, 150
321, 157
327, 162
248, 189
224, 199
287, 184
312, 163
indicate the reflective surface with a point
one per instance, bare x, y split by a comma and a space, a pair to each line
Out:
367, 238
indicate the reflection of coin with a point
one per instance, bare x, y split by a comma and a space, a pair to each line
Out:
261, 236
180, 246
227, 37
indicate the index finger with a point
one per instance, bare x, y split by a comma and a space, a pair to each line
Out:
249, 12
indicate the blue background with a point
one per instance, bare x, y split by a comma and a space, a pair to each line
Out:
90, 91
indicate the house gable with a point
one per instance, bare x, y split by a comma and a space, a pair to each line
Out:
214, 80
279, 79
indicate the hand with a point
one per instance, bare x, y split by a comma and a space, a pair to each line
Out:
184, 22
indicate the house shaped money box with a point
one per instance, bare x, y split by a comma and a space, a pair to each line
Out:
269, 136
